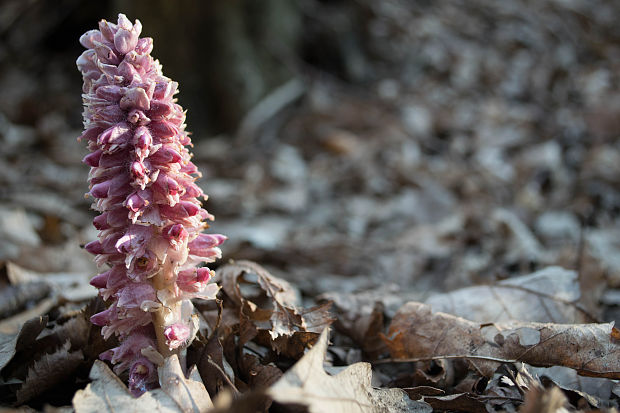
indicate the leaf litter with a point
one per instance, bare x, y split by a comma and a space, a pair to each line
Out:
467, 179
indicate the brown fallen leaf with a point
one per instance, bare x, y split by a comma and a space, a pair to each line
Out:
506, 389
56, 352
72, 286
461, 402
577, 397
12, 325
293, 346
188, 392
283, 318
550, 295
278, 289
14, 298
49, 371
275, 318
16, 230
249, 402
213, 368
307, 384
107, 393
75, 331
360, 316
259, 375
568, 380
418, 333
11, 344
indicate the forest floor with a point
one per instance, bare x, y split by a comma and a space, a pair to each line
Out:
454, 220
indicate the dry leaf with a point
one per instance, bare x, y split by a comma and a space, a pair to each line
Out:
72, 286
75, 330
279, 322
13, 324
293, 346
360, 317
189, 393
506, 389
547, 296
259, 375
49, 371
590, 349
11, 344
14, 298
213, 368
283, 318
591, 388
279, 290
107, 393
249, 402
461, 402
16, 230
307, 383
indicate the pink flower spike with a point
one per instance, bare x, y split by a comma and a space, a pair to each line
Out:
150, 217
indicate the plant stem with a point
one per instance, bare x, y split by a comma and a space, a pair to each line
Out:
163, 281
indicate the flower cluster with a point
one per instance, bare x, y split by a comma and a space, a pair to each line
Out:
142, 180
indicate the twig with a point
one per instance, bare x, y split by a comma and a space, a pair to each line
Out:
218, 321
268, 107
223, 373
446, 357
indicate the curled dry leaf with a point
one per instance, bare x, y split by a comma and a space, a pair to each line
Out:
307, 384
568, 380
290, 328
107, 393
188, 392
277, 289
506, 389
550, 295
360, 316
590, 349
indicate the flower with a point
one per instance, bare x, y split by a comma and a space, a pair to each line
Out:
142, 181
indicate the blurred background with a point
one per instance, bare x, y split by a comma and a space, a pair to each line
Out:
391, 146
